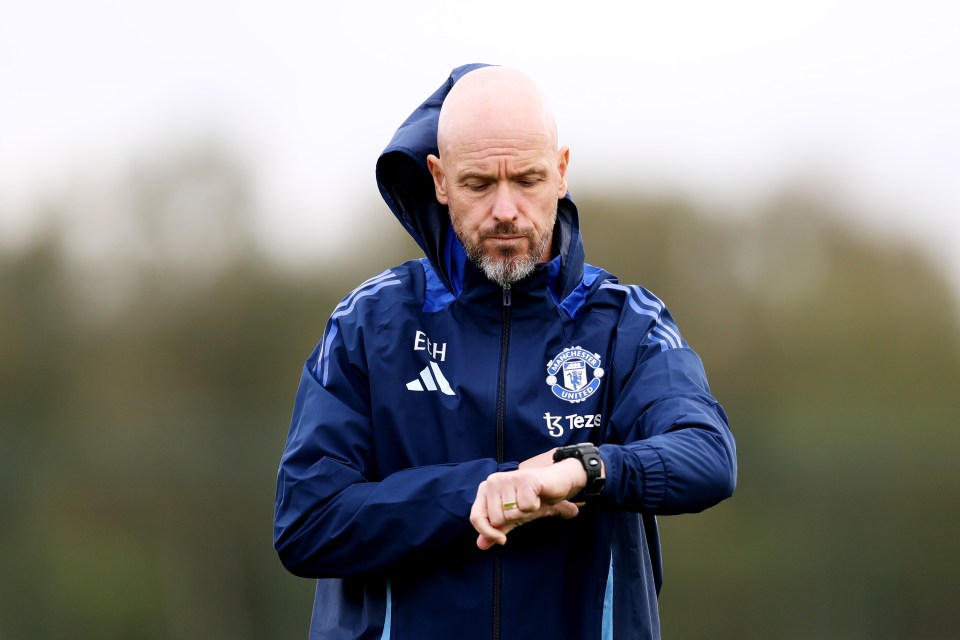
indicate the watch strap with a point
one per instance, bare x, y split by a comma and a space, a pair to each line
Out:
589, 456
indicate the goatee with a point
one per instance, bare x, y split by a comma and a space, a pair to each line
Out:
506, 266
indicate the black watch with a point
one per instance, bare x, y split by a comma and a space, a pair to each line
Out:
589, 457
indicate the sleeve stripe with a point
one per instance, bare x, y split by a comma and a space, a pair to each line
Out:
368, 288
323, 358
356, 295
662, 332
353, 294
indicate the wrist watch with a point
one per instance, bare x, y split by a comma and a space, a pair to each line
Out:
589, 457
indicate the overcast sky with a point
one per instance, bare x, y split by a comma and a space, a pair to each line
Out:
723, 101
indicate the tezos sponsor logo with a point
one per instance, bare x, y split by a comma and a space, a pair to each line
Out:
574, 366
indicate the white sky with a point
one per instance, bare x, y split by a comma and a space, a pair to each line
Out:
723, 101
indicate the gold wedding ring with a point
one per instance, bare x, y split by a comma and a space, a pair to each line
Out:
509, 505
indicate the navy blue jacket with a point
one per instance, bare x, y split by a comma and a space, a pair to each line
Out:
429, 378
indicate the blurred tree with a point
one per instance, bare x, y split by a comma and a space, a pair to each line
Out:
147, 371
838, 360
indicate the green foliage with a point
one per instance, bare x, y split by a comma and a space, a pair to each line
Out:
838, 361
145, 402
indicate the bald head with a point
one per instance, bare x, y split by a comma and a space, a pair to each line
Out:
492, 102
499, 171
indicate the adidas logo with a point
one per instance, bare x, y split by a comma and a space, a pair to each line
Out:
431, 381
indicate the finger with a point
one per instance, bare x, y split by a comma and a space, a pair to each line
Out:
491, 536
480, 520
566, 509
487, 506
485, 542
502, 505
497, 507
528, 501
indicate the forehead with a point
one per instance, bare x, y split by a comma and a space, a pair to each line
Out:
521, 148
493, 143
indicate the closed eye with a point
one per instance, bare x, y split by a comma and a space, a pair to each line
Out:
529, 179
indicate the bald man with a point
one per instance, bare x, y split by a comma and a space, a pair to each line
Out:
498, 381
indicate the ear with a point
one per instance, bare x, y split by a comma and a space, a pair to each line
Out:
439, 180
563, 159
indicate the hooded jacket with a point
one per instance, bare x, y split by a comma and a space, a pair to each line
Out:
430, 377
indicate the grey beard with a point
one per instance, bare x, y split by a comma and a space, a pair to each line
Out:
506, 270
502, 268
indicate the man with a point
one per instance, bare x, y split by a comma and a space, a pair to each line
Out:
499, 381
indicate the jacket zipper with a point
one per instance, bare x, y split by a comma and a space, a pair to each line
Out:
501, 417
502, 382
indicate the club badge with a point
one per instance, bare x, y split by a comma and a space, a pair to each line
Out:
569, 374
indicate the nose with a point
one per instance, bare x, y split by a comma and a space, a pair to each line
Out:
504, 203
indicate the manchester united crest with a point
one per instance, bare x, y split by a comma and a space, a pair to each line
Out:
574, 375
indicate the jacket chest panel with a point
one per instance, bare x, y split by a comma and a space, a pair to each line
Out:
443, 387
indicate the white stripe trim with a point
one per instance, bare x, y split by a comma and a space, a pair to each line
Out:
664, 334
659, 307
322, 356
367, 283
363, 294
323, 360
441, 380
428, 379
606, 627
388, 615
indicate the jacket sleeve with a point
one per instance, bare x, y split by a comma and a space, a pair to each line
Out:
674, 450
331, 518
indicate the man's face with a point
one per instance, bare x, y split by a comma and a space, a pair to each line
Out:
501, 187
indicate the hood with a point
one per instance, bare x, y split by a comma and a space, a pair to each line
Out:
407, 188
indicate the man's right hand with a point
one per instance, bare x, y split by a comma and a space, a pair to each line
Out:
539, 488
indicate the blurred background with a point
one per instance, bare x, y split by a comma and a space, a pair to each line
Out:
186, 191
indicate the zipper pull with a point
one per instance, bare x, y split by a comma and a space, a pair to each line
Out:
506, 295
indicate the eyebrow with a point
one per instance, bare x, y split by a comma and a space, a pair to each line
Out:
473, 174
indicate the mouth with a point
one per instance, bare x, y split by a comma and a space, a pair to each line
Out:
505, 238
503, 243
504, 234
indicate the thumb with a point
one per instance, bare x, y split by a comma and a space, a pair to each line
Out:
566, 509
